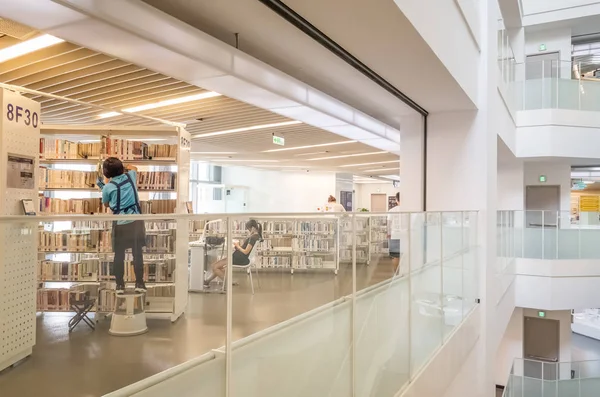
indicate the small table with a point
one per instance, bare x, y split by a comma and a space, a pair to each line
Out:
81, 309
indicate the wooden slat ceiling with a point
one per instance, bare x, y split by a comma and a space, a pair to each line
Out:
104, 83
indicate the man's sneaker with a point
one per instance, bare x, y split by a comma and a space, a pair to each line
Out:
120, 289
140, 287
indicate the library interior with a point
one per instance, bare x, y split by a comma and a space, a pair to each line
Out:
206, 165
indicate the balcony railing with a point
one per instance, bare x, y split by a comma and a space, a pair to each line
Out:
548, 84
531, 378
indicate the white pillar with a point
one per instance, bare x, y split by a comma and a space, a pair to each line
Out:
19, 151
411, 163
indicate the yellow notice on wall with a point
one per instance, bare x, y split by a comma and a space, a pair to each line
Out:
589, 204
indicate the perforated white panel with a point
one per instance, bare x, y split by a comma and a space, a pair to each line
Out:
19, 135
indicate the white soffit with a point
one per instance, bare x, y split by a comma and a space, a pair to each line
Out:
136, 32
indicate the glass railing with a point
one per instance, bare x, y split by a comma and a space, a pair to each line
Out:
549, 84
531, 378
328, 309
556, 235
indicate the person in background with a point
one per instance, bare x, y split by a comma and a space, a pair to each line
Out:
119, 193
394, 231
241, 252
334, 206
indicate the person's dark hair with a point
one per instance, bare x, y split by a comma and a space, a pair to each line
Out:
112, 167
331, 199
398, 196
253, 224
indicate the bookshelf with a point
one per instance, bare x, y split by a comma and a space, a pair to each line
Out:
378, 235
305, 244
77, 256
363, 242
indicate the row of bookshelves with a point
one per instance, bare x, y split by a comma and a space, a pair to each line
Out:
49, 178
98, 240
96, 269
60, 299
51, 205
52, 148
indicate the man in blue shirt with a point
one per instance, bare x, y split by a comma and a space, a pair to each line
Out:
119, 193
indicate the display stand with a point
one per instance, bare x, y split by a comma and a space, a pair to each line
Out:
156, 304
19, 138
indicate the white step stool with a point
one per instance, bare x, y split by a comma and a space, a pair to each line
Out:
129, 316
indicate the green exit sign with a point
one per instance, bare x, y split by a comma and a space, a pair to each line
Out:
541, 314
278, 140
543, 178
542, 47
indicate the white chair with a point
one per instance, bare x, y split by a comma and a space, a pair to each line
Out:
252, 258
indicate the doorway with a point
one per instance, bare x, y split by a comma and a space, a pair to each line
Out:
542, 205
541, 344
546, 66
378, 202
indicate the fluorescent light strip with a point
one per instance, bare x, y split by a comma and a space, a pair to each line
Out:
378, 162
250, 161
28, 46
308, 147
243, 129
347, 155
217, 153
167, 102
380, 169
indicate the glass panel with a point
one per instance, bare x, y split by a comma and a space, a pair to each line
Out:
452, 270
532, 241
469, 261
426, 292
292, 273
382, 306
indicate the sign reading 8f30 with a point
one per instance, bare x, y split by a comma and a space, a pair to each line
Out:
18, 114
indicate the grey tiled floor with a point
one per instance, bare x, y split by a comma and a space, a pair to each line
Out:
91, 363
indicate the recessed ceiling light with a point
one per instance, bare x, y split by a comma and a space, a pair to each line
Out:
380, 169
167, 102
393, 177
28, 46
251, 128
308, 147
347, 155
89, 140
217, 153
284, 166
378, 162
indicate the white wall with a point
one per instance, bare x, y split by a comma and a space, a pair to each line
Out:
555, 40
411, 163
281, 191
364, 191
511, 346
537, 6
556, 173
559, 133
510, 180
450, 37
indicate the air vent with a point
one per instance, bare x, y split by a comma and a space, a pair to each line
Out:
16, 30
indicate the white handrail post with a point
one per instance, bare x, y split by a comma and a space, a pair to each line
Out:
229, 317
543, 247
353, 324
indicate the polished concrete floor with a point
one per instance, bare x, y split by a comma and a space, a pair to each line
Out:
88, 363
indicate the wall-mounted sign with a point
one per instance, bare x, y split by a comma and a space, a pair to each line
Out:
542, 178
542, 47
20, 172
279, 140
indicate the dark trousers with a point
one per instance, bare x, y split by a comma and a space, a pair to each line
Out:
128, 236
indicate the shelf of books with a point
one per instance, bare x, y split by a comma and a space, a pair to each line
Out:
300, 244
363, 245
379, 235
75, 258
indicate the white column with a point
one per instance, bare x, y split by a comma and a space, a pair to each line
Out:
19, 151
411, 163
